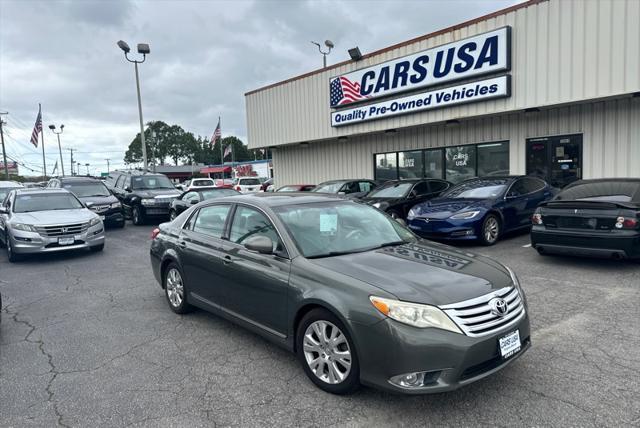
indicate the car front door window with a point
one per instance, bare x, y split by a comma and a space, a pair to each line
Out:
210, 220
248, 222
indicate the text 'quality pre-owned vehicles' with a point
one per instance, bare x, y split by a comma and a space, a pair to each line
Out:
47, 220
590, 218
480, 209
192, 197
143, 195
95, 195
355, 294
398, 196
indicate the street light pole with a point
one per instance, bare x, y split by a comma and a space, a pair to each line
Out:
143, 49
329, 44
53, 129
108, 170
4, 154
87, 165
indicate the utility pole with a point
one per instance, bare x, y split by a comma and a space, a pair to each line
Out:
108, 170
4, 153
71, 150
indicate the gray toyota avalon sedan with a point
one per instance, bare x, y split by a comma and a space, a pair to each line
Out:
356, 295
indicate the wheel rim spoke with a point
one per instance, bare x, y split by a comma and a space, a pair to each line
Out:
175, 289
326, 351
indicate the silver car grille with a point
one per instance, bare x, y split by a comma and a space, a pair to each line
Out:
477, 317
63, 229
163, 200
99, 208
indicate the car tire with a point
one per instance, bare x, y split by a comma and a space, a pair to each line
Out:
172, 215
175, 290
313, 345
97, 248
11, 255
137, 216
490, 231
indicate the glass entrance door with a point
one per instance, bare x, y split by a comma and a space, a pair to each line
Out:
558, 160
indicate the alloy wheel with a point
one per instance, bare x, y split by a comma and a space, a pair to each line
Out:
175, 287
326, 351
491, 229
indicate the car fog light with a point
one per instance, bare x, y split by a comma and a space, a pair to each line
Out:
415, 380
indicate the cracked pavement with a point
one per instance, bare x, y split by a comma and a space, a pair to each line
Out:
88, 340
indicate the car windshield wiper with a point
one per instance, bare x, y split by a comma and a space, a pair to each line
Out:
361, 250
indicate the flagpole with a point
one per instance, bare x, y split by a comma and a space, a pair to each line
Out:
221, 150
44, 162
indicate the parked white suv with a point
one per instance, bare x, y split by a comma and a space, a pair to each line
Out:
248, 184
198, 183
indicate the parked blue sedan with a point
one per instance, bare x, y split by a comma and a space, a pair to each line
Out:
480, 209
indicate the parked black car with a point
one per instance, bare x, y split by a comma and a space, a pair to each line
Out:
351, 188
355, 294
143, 195
591, 218
95, 195
398, 196
195, 196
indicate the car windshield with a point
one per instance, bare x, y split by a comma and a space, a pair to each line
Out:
395, 190
46, 202
151, 182
477, 189
249, 182
219, 193
82, 190
333, 228
332, 187
202, 183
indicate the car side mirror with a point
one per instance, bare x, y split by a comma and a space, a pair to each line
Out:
342, 193
127, 189
4, 210
193, 201
88, 204
259, 244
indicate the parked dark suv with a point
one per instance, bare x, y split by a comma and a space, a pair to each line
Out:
143, 195
95, 195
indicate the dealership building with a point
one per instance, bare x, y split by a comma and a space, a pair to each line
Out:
546, 87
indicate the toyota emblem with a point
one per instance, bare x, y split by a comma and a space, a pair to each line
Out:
499, 307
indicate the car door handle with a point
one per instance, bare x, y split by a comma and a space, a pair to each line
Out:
182, 244
227, 260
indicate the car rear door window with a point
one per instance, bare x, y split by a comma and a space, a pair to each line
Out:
210, 220
532, 185
248, 222
365, 186
420, 188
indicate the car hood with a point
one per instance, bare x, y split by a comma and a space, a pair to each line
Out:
167, 193
99, 200
432, 274
43, 218
441, 208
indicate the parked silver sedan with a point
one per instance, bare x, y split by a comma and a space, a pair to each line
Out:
47, 220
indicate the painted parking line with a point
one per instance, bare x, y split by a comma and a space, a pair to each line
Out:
526, 246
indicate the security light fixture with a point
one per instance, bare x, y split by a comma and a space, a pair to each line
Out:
124, 46
355, 54
143, 48
452, 122
390, 131
343, 138
636, 95
52, 127
532, 110
304, 144
329, 44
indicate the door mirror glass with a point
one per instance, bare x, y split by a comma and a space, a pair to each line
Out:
193, 201
261, 244
127, 189
4, 210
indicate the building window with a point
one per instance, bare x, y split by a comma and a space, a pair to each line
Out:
461, 163
386, 166
410, 164
493, 159
433, 163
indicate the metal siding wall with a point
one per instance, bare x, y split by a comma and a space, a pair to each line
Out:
562, 51
611, 142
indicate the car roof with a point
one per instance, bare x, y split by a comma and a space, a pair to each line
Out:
78, 179
34, 191
269, 199
11, 184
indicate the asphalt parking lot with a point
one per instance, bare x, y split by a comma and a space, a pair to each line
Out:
88, 340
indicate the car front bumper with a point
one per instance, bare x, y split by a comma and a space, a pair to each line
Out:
110, 215
23, 242
618, 243
451, 360
446, 229
156, 210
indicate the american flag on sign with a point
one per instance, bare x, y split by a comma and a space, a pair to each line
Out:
227, 151
37, 129
343, 91
217, 134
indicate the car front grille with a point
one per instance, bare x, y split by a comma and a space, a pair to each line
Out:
477, 317
164, 200
99, 208
63, 229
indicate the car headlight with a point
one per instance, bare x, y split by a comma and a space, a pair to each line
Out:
115, 205
516, 282
147, 201
95, 221
465, 215
23, 227
411, 214
414, 314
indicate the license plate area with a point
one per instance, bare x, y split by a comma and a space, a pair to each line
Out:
509, 344
66, 241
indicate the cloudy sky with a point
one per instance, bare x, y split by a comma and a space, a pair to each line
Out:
204, 56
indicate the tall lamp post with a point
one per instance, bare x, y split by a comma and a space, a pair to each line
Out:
327, 43
143, 49
87, 165
53, 129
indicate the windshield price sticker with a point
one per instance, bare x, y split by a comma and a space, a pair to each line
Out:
328, 224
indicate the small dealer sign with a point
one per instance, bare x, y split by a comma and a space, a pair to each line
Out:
497, 87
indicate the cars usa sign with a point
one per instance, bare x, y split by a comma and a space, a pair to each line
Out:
478, 55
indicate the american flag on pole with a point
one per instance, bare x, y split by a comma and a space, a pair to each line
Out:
37, 129
217, 134
344, 91
227, 151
